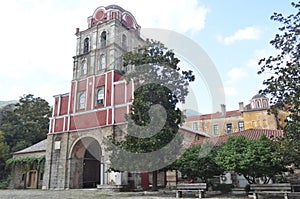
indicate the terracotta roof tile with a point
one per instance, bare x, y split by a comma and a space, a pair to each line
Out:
252, 134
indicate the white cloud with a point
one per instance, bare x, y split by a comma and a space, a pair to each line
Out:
180, 15
260, 54
230, 91
248, 33
236, 73
236, 77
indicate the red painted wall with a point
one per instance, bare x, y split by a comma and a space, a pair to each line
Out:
55, 106
120, 114
129, 92
64, 105
59, 124
93, 116
119, 93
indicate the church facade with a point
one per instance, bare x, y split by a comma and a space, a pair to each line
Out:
94, 108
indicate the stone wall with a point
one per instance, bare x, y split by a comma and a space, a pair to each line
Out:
61, 162
20, 179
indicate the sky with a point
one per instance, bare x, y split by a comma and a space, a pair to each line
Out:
38, 41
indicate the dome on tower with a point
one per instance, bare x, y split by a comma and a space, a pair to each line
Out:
258, 96
113, 12
114, 6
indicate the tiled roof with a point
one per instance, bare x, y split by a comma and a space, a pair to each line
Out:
40, 146
252, 134
214, 115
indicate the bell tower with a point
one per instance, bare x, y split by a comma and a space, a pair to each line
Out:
99, 97
111, 32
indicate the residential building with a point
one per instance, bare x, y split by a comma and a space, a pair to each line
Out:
253, 115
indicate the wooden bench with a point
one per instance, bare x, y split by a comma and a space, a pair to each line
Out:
190, 187
282, 188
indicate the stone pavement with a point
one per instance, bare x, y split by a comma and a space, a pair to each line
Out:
85, 194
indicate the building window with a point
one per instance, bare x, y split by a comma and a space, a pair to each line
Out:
241, 126
195, 126
102, 62
265, 104
124, 42
81, 101
23, 177
216, 129
258, 104
229, 128
258, 123
83, 67
86, 45
265, 125
100, 96
103, 39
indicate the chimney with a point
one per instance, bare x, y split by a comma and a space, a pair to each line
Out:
77, 31
223, 109
241, 106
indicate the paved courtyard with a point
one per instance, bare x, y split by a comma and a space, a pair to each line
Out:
82, 194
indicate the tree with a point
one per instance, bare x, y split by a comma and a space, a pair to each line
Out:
283, 86
198, 162
27, 124
4, 155
153, 123
251, 158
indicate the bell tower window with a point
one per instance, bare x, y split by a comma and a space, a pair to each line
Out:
103, 39
86, 45
81, 102
100, 96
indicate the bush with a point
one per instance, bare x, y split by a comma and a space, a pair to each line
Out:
224, 188
247, 189
5, 183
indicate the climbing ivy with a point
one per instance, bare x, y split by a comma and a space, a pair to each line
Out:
26, 163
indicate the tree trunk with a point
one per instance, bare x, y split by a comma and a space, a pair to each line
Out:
154, 181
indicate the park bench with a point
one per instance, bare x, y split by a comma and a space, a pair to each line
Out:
190, 187
282, 188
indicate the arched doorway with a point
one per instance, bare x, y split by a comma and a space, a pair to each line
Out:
85, 164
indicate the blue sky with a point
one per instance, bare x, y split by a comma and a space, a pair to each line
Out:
38, 41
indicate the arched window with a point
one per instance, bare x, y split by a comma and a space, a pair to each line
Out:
83, 67
100, 96
102, 61
124, 42
258, 104
86, 45
81, 102
265, 103
103, 39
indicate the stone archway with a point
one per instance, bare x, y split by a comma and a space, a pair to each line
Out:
85, 164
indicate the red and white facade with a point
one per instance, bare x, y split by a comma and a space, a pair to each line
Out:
99, 98
118, 96
95, 107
